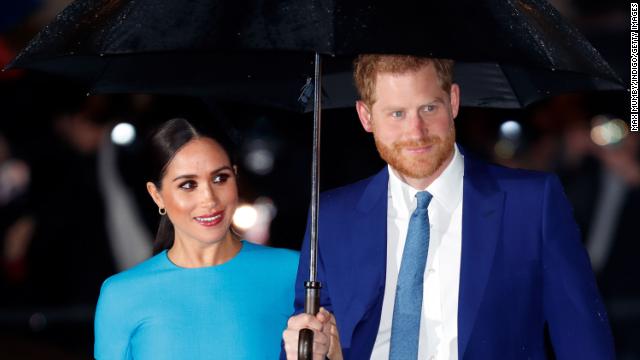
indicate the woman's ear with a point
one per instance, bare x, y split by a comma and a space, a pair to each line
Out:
153, 191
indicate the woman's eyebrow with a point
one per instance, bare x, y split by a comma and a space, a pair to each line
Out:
191, 176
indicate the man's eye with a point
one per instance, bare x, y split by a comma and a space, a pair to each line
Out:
397, 114
220, 178
188, 185
429, 108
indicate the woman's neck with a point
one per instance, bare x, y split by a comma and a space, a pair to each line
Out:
190, 255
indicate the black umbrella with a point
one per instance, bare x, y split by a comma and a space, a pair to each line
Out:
241, 49
290, 87
186, 47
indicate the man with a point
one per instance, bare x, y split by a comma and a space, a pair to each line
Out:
442, 256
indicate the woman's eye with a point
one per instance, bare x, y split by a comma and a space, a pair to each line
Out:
220, 178
188, 185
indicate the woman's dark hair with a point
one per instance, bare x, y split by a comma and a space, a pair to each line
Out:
162, 146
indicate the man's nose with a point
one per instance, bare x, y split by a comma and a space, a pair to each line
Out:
416, 126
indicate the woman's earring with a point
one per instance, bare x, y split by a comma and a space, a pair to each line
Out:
162, 211
235, 231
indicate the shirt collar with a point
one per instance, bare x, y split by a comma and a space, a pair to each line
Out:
446, 189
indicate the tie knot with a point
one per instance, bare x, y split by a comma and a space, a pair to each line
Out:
424, 198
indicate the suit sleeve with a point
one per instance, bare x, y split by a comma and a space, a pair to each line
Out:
574, 311
112, 326
303, 275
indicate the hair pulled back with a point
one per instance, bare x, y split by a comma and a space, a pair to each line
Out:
162, 146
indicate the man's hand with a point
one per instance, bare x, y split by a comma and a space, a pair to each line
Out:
331, 329
326, 342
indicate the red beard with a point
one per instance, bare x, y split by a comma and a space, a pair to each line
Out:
419, 166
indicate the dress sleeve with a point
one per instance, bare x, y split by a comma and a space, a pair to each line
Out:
113, 326
574, 311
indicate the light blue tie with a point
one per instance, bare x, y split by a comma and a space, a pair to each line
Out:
405, 328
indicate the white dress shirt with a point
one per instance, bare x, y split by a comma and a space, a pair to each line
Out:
439, 323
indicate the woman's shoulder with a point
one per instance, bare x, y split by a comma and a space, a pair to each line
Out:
268, 253
271, 260
133, 276
271, 265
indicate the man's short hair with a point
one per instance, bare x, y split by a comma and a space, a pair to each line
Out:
367, 66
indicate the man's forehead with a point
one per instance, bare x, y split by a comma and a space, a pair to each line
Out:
403, 71
405, 80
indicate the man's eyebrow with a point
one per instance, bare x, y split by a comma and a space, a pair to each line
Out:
437, 99
391, 107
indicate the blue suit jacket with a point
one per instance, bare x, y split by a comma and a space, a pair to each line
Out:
523, 267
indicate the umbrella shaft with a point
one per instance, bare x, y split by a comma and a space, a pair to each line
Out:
315, 168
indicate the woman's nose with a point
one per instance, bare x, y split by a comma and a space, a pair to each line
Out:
209, 196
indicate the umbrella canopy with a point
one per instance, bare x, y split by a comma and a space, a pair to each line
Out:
512, 53
492, 85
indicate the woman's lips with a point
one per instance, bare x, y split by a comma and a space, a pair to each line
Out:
210, 219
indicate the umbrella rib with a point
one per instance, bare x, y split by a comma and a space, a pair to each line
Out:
514, 89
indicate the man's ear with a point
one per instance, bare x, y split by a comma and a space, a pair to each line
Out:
364, 114
155, 194
455, 99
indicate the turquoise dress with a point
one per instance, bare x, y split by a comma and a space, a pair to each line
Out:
236, 310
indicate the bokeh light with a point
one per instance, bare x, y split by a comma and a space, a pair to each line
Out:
608, 131
123, 134
511, 129
245, 216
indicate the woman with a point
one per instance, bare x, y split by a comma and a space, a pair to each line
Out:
205, 295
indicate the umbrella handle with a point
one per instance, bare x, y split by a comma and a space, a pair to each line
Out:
305, 344
311, 306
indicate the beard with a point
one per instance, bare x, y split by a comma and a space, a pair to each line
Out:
419, 166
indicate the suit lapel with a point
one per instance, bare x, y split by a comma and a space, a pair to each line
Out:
481, 227
367, 255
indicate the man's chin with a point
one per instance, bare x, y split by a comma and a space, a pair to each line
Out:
421, 165
415, 169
